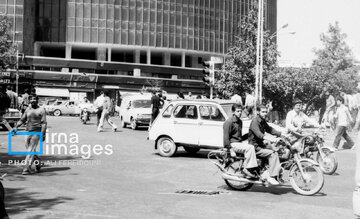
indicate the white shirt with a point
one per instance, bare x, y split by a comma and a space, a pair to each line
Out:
343, 116
249, 100
295, 120
99, 102
237, 99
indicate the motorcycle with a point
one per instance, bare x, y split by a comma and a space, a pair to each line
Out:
304, 175
315, 149
85, 116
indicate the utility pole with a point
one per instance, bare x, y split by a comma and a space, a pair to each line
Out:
17, 52
259, 48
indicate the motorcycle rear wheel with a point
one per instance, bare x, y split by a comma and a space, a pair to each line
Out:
313, 174
329, 164
234, 168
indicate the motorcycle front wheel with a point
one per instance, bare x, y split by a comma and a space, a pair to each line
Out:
329, 163
311, 183
234, 169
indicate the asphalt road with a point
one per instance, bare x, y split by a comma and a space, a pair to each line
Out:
135, 182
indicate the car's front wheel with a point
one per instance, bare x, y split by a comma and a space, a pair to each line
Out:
166, 146
133, 124
57, 113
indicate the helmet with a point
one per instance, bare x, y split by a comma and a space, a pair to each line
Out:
309, 140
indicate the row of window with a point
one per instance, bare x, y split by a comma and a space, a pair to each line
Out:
191, 112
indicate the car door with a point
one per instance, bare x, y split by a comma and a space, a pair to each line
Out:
70, 107
185, 119
211, 120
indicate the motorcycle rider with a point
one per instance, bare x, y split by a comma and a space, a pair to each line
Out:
262, 143
233, 139
85, 105
295, 118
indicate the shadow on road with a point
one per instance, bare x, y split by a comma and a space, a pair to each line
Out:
23, 201
275, 190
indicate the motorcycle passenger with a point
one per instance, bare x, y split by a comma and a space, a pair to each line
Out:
262, 143
85, 105
233, 139
295, 119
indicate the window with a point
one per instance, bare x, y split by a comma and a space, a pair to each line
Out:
186, 111
167, 112
211, 113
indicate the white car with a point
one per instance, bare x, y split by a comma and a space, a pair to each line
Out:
135, 110
192, 124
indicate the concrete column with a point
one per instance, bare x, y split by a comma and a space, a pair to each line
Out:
109, 54
101, 54
137, 56
148, 57
68, 49
28, 28
183, 59
137, 72
167, 58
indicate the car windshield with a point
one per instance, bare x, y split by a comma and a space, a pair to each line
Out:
141, 103
57, 103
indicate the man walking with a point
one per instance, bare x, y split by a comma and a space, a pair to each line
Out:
13, 97
156, 102
105, 113
25, 101
233, 138
35, 119
99, 107
5, 103
344, 120
250, 103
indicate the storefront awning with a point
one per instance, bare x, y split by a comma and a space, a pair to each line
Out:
52, 92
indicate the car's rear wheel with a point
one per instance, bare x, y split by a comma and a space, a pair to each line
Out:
57, 113
191, 150
166, 146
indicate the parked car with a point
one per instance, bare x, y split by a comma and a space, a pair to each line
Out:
12, 117
135, 110
62, 107
192, 124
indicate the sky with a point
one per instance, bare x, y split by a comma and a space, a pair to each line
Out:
310, 18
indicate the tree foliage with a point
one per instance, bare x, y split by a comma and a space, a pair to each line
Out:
335, 55
238, 73
7, 48
332, 69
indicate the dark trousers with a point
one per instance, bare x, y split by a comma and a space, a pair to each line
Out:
98, 116
155, 112
341, 131
321, 114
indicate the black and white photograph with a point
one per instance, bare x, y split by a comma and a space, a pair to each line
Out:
244, 109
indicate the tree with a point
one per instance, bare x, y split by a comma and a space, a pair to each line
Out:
335, 55
332, 69
7, 48
238, 73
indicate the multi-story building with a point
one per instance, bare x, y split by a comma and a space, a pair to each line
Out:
88, 45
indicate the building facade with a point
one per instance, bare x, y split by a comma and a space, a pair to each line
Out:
120, 40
